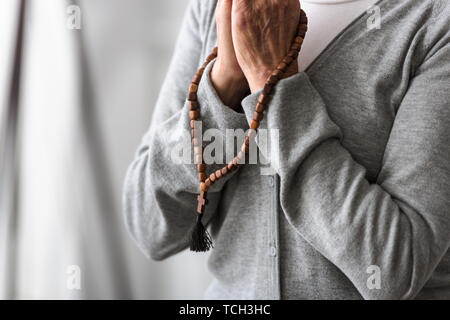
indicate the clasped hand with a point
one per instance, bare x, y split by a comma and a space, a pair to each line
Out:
253, 37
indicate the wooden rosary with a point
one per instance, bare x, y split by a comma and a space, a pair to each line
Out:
200, 240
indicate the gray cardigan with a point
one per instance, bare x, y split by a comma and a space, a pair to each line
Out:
361, 183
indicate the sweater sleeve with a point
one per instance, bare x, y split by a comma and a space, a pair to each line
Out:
401, 223
160, 188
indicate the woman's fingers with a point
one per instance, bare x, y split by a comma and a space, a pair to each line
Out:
263, 31
226, 55
223, 21
226, 74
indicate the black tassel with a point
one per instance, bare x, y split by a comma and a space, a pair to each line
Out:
200, 237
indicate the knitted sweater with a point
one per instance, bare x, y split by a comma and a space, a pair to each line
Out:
358, 205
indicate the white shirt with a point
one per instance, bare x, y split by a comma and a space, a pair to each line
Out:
326, 19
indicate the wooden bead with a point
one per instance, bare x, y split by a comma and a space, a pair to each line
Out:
240, 156
194, 114
264, 99
288, 60
267, 88
202, 176
203, 187
260, 107
193, 105
302, 32
193, 88
201, 167
254, 124
216, 49
218, 174
295, 46
258, 116
299, 40
196, 79
208, 182
303, 27
192, 124
192, 96
293, 54
277, 73
212, 177
230, 166
198, 158
282, 66
200, 71
224, 171
211, 57
236, 161
273, 80
303, 17
193, 133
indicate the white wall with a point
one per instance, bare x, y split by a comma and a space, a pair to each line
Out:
130, 45
86, 99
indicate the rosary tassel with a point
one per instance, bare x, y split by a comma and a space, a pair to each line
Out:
200, 237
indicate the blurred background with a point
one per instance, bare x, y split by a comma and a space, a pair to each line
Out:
78, 82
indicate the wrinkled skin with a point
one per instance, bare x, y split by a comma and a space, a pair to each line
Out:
253, 37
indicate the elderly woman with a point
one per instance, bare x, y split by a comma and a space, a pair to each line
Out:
358, 203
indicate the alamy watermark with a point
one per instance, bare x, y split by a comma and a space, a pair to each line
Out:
374, 20
220, 147
73, 280
73, 21
374, 280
